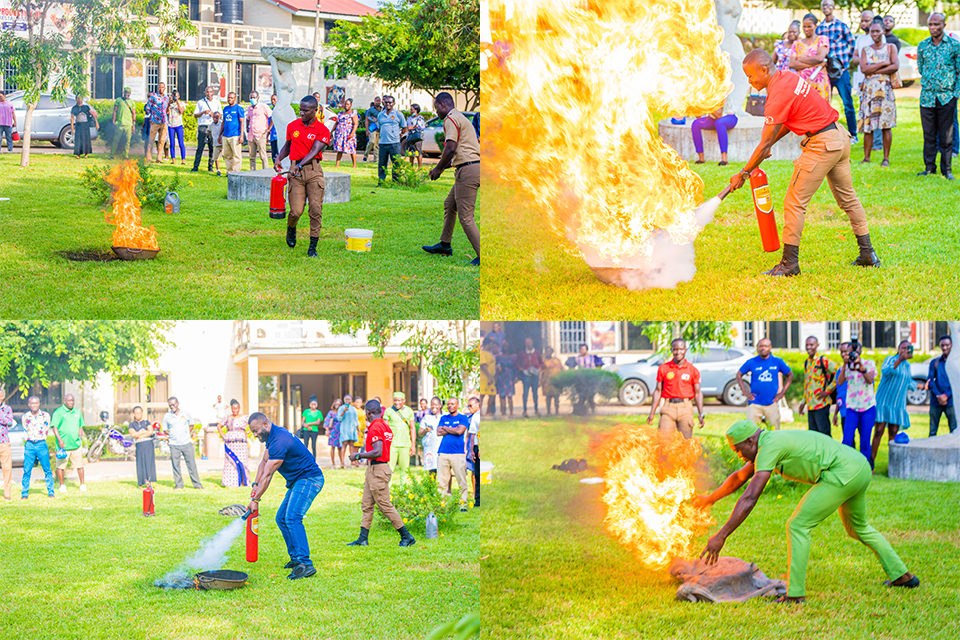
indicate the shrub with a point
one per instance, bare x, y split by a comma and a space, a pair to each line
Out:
582, 385
408, 176
150, 190
418, 496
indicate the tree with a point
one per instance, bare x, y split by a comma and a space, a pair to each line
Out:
46, 60
697, 334
45, 351
432, 44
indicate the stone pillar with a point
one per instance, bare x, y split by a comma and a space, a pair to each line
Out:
728, 17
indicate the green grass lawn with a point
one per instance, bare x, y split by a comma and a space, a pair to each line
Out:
226, 259
552, 572
914, 225
83, 566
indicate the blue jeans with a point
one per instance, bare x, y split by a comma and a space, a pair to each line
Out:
175, 136
290, 517
861, 421
844, 88
33, 452
6, 132
530, 382
389, 152
936, 410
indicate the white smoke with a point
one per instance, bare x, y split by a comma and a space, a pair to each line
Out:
211, 555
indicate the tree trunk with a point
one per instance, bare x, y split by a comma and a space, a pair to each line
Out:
25, 141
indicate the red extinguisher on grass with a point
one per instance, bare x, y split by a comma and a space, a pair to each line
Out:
278, 203
148, 500
763, 205
253, 534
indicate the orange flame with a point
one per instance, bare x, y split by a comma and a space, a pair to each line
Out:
649, 480
126, 210
573, 89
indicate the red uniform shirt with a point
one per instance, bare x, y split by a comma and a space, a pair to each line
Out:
792, 102
378, 431
678, 380
302, 137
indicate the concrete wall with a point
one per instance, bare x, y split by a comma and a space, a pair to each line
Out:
266, 15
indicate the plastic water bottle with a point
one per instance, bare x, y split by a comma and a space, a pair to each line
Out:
431, 527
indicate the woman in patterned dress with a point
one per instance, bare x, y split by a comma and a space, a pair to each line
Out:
233, 430
809, 57
332, 423
781, 48
506, 378
895, 380
345, 133
878, 108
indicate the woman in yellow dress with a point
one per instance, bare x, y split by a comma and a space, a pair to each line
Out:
488, 369
362, 416
551, 367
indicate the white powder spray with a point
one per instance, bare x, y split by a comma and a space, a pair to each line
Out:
211, 555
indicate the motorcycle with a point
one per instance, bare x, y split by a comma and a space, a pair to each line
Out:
110, 439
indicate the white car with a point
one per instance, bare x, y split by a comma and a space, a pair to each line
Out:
909, 73
18, 436
51, 120
435, 126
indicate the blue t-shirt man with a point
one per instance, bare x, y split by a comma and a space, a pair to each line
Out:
232, 115
389, 123
452, 443
764, 382
298, 463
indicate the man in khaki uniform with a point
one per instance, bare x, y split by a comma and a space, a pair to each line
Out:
792, 105
678, 383
461, 148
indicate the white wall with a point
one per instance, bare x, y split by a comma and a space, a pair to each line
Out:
761, 19
266, 15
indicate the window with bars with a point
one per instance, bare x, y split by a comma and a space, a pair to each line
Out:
153, 75
876, 334
572, 335
749, 339
635, 340
784, 335
833, 335
8, 83
937, 330
134, 390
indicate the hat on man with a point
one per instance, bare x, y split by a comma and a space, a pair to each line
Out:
399, 394
740, 431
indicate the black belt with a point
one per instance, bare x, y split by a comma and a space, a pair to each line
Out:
678, 399
378, 462
832, 125
467, 164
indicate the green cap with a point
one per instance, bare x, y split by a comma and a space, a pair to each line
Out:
740, 431
399, 394
127, 89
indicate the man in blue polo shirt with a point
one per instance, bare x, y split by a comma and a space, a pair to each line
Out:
452, 456
766, 386
390, 122
296, 464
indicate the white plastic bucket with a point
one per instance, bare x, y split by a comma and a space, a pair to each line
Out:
359, 239
486, 472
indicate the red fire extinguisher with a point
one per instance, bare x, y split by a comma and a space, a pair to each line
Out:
148, 500
278, 203
253, 536
763, 205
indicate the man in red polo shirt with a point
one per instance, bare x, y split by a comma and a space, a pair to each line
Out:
376, 482
678, 382
792, 105
306, 140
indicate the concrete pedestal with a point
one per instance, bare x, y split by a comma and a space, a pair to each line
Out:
742, 140
936, 459
254, 186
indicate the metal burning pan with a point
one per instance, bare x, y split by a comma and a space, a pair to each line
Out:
222, 580
125, 253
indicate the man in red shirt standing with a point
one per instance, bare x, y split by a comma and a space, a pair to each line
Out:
678, 382
529, 363
306, 140
376, 482
792, 106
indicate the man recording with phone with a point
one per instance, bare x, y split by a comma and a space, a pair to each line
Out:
859, 375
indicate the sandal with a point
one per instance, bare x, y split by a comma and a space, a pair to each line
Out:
912, 583
885, 163
700, 162
786, 600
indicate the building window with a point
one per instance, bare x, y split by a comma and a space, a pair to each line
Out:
328, 27
153, 75
50, 397
245, 78
937, 329
8, 74
883, 334
784, 335
635, 340
572, 335
189, 77
748, 334
833, 335
107, 74
269, 398
138, 390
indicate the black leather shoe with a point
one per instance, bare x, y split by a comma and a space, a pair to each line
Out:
302, 571
475, 262
783, 269
312, 250
439, 249
927, 173
949, 176
291, 564
874, 261
194, 170
291, 237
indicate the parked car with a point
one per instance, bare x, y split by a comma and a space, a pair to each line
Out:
919, 370
18, 436
51, 120
718, 376
435, 126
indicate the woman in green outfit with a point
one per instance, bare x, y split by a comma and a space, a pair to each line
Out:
312, 419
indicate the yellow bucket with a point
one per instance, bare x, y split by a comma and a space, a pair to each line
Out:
486, 472
359, 239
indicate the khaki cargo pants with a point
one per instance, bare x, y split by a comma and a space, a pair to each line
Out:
461, 203
307, 188
677, 416
826, 155
376, 493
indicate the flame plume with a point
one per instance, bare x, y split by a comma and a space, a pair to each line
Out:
572, 91
649, 480
126, 210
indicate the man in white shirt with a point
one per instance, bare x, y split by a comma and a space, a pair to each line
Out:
473, 446
221, 408
178, 423
207, 106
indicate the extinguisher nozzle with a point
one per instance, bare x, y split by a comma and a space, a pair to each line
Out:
246, 514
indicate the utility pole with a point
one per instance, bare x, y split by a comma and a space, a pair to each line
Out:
316, 41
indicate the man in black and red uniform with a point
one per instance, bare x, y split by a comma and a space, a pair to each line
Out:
678, 383
306, 140
793, 105
376, 482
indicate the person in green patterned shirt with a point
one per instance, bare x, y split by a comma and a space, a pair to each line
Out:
938, 60
819, 381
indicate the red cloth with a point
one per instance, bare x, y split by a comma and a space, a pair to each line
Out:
678, 380
378, 431
526, 360
302, 137
792, 102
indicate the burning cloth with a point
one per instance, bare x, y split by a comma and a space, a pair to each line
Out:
728, 580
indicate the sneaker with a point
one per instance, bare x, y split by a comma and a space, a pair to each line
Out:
291, 564
83, 487
218, 174
302, 571
63, 489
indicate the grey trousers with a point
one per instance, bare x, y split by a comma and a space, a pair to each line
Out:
185, 451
